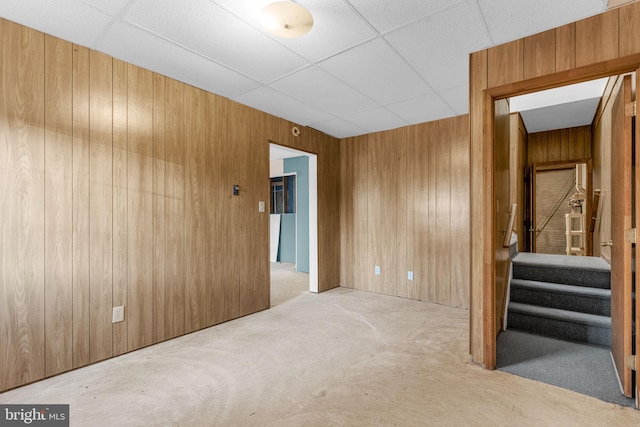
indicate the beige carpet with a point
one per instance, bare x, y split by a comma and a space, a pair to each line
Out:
343, 357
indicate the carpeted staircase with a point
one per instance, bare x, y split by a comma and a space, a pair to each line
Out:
567, 297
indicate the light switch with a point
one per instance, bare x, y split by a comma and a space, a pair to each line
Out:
410, 275
261, 206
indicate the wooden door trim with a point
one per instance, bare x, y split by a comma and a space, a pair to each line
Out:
608, 68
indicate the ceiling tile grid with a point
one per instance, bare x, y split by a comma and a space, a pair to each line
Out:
366, 65
376, 69
509, 20
70, 20
156, 54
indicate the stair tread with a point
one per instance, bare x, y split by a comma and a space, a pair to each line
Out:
587, 263
556, 313
562, 288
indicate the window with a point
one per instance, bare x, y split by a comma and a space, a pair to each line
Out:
283, 194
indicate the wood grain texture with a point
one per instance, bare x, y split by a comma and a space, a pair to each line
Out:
347, 212
565, 47
254, 277
219, 178
597, 38
253, 173
121, 230
478, 82
81, 211
562, 145
517, 164
159, 197
460, 219
328, 150
195, 207
22, 310
621, 256
539, 53
431, 286
506, 63
140, 208
363, 270
174, 208
381, 212
228, 226
58, 209
419, 156
402, 230
442, 131
101, 205
596, 54
629, 29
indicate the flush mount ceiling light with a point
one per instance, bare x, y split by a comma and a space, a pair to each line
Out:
286, 19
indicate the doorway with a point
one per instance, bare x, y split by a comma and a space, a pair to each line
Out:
558, 208
566, 184
289, 278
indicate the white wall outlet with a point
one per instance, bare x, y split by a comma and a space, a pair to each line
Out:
261, 206
410, 275
118, 314
377, 270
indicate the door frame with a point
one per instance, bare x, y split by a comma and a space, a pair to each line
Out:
489, 247
313, 211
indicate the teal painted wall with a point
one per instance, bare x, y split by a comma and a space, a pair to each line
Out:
300, 165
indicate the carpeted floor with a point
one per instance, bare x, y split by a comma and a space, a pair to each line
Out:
287, 283
583, 368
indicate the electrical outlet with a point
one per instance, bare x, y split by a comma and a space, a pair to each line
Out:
377, 270
118, 314
260, 206
410, 275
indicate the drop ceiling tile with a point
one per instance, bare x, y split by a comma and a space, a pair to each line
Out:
457, 98
69, 20
376, 120
446, 39
509, 20
283, 106
112, 7
339, 128
386, 15
174, 62
336, 26
213, 32
376, 69
316, 88
422, 109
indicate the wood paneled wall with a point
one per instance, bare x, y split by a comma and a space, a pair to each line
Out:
404, 207
560, 145
599, 46
115, 189
517, 165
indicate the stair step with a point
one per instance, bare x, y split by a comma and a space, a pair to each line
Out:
568, 270
561, 296
565, 324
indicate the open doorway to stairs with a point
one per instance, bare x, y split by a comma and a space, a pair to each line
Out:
560, 138
293, 231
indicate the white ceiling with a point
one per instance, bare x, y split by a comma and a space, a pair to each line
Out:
366, 66
559, 108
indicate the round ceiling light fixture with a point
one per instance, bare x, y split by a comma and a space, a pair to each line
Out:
286, 19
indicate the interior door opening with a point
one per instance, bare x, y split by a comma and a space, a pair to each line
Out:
551, 158
293, 232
